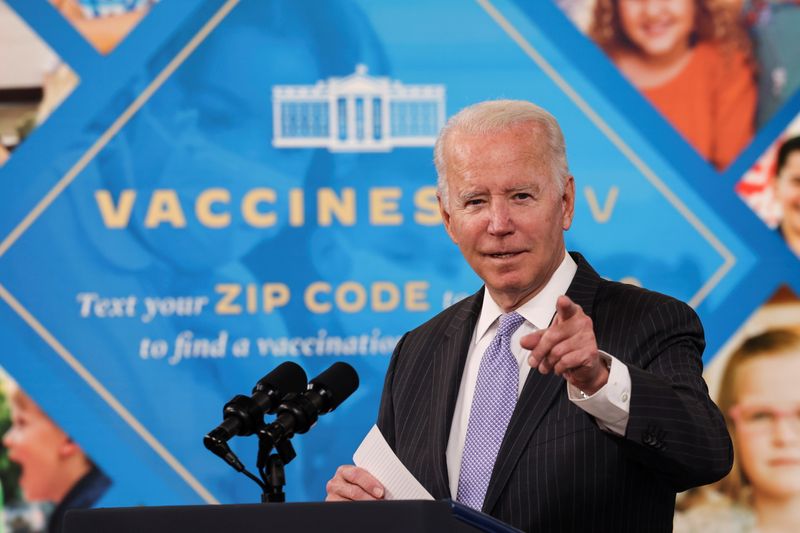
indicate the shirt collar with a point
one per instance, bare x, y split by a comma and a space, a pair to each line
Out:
540, 309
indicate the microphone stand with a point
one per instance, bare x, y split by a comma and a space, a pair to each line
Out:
296, 414
271, 465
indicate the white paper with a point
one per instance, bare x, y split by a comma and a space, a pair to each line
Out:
376, 457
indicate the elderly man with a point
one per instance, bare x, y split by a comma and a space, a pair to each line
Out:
551, 399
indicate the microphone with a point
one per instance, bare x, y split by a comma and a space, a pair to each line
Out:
245, 415
298, 412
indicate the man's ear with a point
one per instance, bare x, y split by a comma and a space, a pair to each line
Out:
445, 217
568, 203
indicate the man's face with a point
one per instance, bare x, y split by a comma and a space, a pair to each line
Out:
505, 213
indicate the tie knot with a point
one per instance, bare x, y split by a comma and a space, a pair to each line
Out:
509, 324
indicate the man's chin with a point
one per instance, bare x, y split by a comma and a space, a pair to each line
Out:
510, 288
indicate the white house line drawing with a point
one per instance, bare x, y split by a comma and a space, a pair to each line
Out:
357, 113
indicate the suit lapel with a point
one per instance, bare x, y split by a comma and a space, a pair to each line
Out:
583, 288
448, 367
538, 395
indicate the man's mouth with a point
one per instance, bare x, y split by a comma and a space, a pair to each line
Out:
503, 255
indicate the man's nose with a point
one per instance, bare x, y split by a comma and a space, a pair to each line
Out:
500, 222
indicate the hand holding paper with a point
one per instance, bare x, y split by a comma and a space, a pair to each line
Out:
351, 483
379, 474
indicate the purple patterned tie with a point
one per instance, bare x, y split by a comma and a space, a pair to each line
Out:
492, 406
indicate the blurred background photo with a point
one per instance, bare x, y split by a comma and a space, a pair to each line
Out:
717, 70
753, 381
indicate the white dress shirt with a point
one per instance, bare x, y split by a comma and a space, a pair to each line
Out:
610, 405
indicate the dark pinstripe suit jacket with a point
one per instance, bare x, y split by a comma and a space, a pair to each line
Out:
556, 470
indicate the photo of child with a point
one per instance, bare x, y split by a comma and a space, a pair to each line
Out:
755, 388
787, 191
692, 60
772, 186
51, 467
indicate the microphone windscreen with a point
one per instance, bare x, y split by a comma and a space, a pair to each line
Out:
340, 380
287, 377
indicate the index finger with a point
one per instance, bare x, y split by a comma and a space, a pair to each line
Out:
531, 340
566, 308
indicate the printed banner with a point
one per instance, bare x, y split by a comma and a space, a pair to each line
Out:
195, 192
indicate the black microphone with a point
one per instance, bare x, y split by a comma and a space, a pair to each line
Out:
298, 412
245, 415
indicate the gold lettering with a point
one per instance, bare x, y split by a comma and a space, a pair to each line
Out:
310, 297
251, 298
275, 295
229, 292
380, 288
119, 216
416, 296
297, 211
328, 205
601, 215
250, 211
205, 215
383, 207
164, 208
427, 213
360, 297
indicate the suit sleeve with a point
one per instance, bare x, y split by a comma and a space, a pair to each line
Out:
674, 427
386, 412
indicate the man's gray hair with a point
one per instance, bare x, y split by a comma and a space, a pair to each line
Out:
493, 116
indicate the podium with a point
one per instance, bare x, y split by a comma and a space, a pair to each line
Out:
354, 517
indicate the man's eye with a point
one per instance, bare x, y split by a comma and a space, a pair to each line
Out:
522, 196
474, 201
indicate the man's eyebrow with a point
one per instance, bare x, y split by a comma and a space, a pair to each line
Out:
469, 195
533, 188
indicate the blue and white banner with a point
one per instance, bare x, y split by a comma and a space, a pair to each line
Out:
233, 184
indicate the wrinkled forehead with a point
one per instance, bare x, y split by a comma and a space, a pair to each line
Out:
495, 149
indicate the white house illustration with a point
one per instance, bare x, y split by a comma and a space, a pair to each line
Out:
357, 113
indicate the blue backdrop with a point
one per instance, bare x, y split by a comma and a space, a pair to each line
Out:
241, 183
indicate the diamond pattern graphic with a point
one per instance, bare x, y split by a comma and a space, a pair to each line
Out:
158, 253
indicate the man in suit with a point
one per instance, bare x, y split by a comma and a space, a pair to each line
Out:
551, 399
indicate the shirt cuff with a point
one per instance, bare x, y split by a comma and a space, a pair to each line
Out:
610, 405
